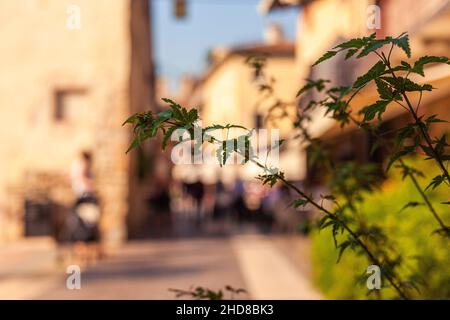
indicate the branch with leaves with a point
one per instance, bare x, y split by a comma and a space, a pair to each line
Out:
348, 180
393, 86
146, 125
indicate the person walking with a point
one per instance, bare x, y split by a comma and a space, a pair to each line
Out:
85, 216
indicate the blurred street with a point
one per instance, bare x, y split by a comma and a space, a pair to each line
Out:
148, 269
152, 148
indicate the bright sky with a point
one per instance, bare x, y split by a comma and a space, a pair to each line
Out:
182, 45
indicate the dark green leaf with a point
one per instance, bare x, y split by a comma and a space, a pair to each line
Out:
403, 84
371, 111
398, 155
384, 91
326, 56
319, 85
421, 62
373, 45
411, 204
350, 53
167, 136
403, 43
436, 182
372, 74
299, 203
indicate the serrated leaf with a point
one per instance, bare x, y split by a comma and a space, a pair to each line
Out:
434, 119
403, 43
328, 55
130, 119
356, 43
428, 151
422, 61
404, 133
193, 115
319, 85
342, 248
378, 108
167, 136
384, 91
299, 203
411, 204
436, 182
350, 53
403, 84
176, 109
398, 155
373, 45
374, 72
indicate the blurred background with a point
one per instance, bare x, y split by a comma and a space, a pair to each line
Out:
73, 71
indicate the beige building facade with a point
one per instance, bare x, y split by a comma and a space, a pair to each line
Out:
228, 93
72, 71
322, 24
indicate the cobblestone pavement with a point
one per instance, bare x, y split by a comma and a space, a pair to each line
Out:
263, 265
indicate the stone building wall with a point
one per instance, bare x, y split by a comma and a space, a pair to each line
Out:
65, 90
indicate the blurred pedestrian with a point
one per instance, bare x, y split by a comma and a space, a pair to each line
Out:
83, 222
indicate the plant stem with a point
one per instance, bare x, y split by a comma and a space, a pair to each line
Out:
347, 228
334, 217
425, 198
413, 179
424, 133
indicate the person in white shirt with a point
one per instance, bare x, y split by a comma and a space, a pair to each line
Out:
86, 212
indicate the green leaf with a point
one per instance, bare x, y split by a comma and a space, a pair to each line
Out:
228, 126
356, 43
371, 111
434, 119
404, 133
373, 45
403, 84
398, 155
384, 91
319, 85
373, 73
436, 182
193, 115
166, 114
403, 43
167, 136
445, 231
299, 203
422, 61
131, 119
428, 151
141, 136
350, 53
342, 248
270, 179
411, 204
326, 56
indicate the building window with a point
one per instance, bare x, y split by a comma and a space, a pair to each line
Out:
66, 100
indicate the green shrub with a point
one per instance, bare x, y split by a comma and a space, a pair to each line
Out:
411, 231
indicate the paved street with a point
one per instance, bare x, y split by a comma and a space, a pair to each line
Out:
267, 267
